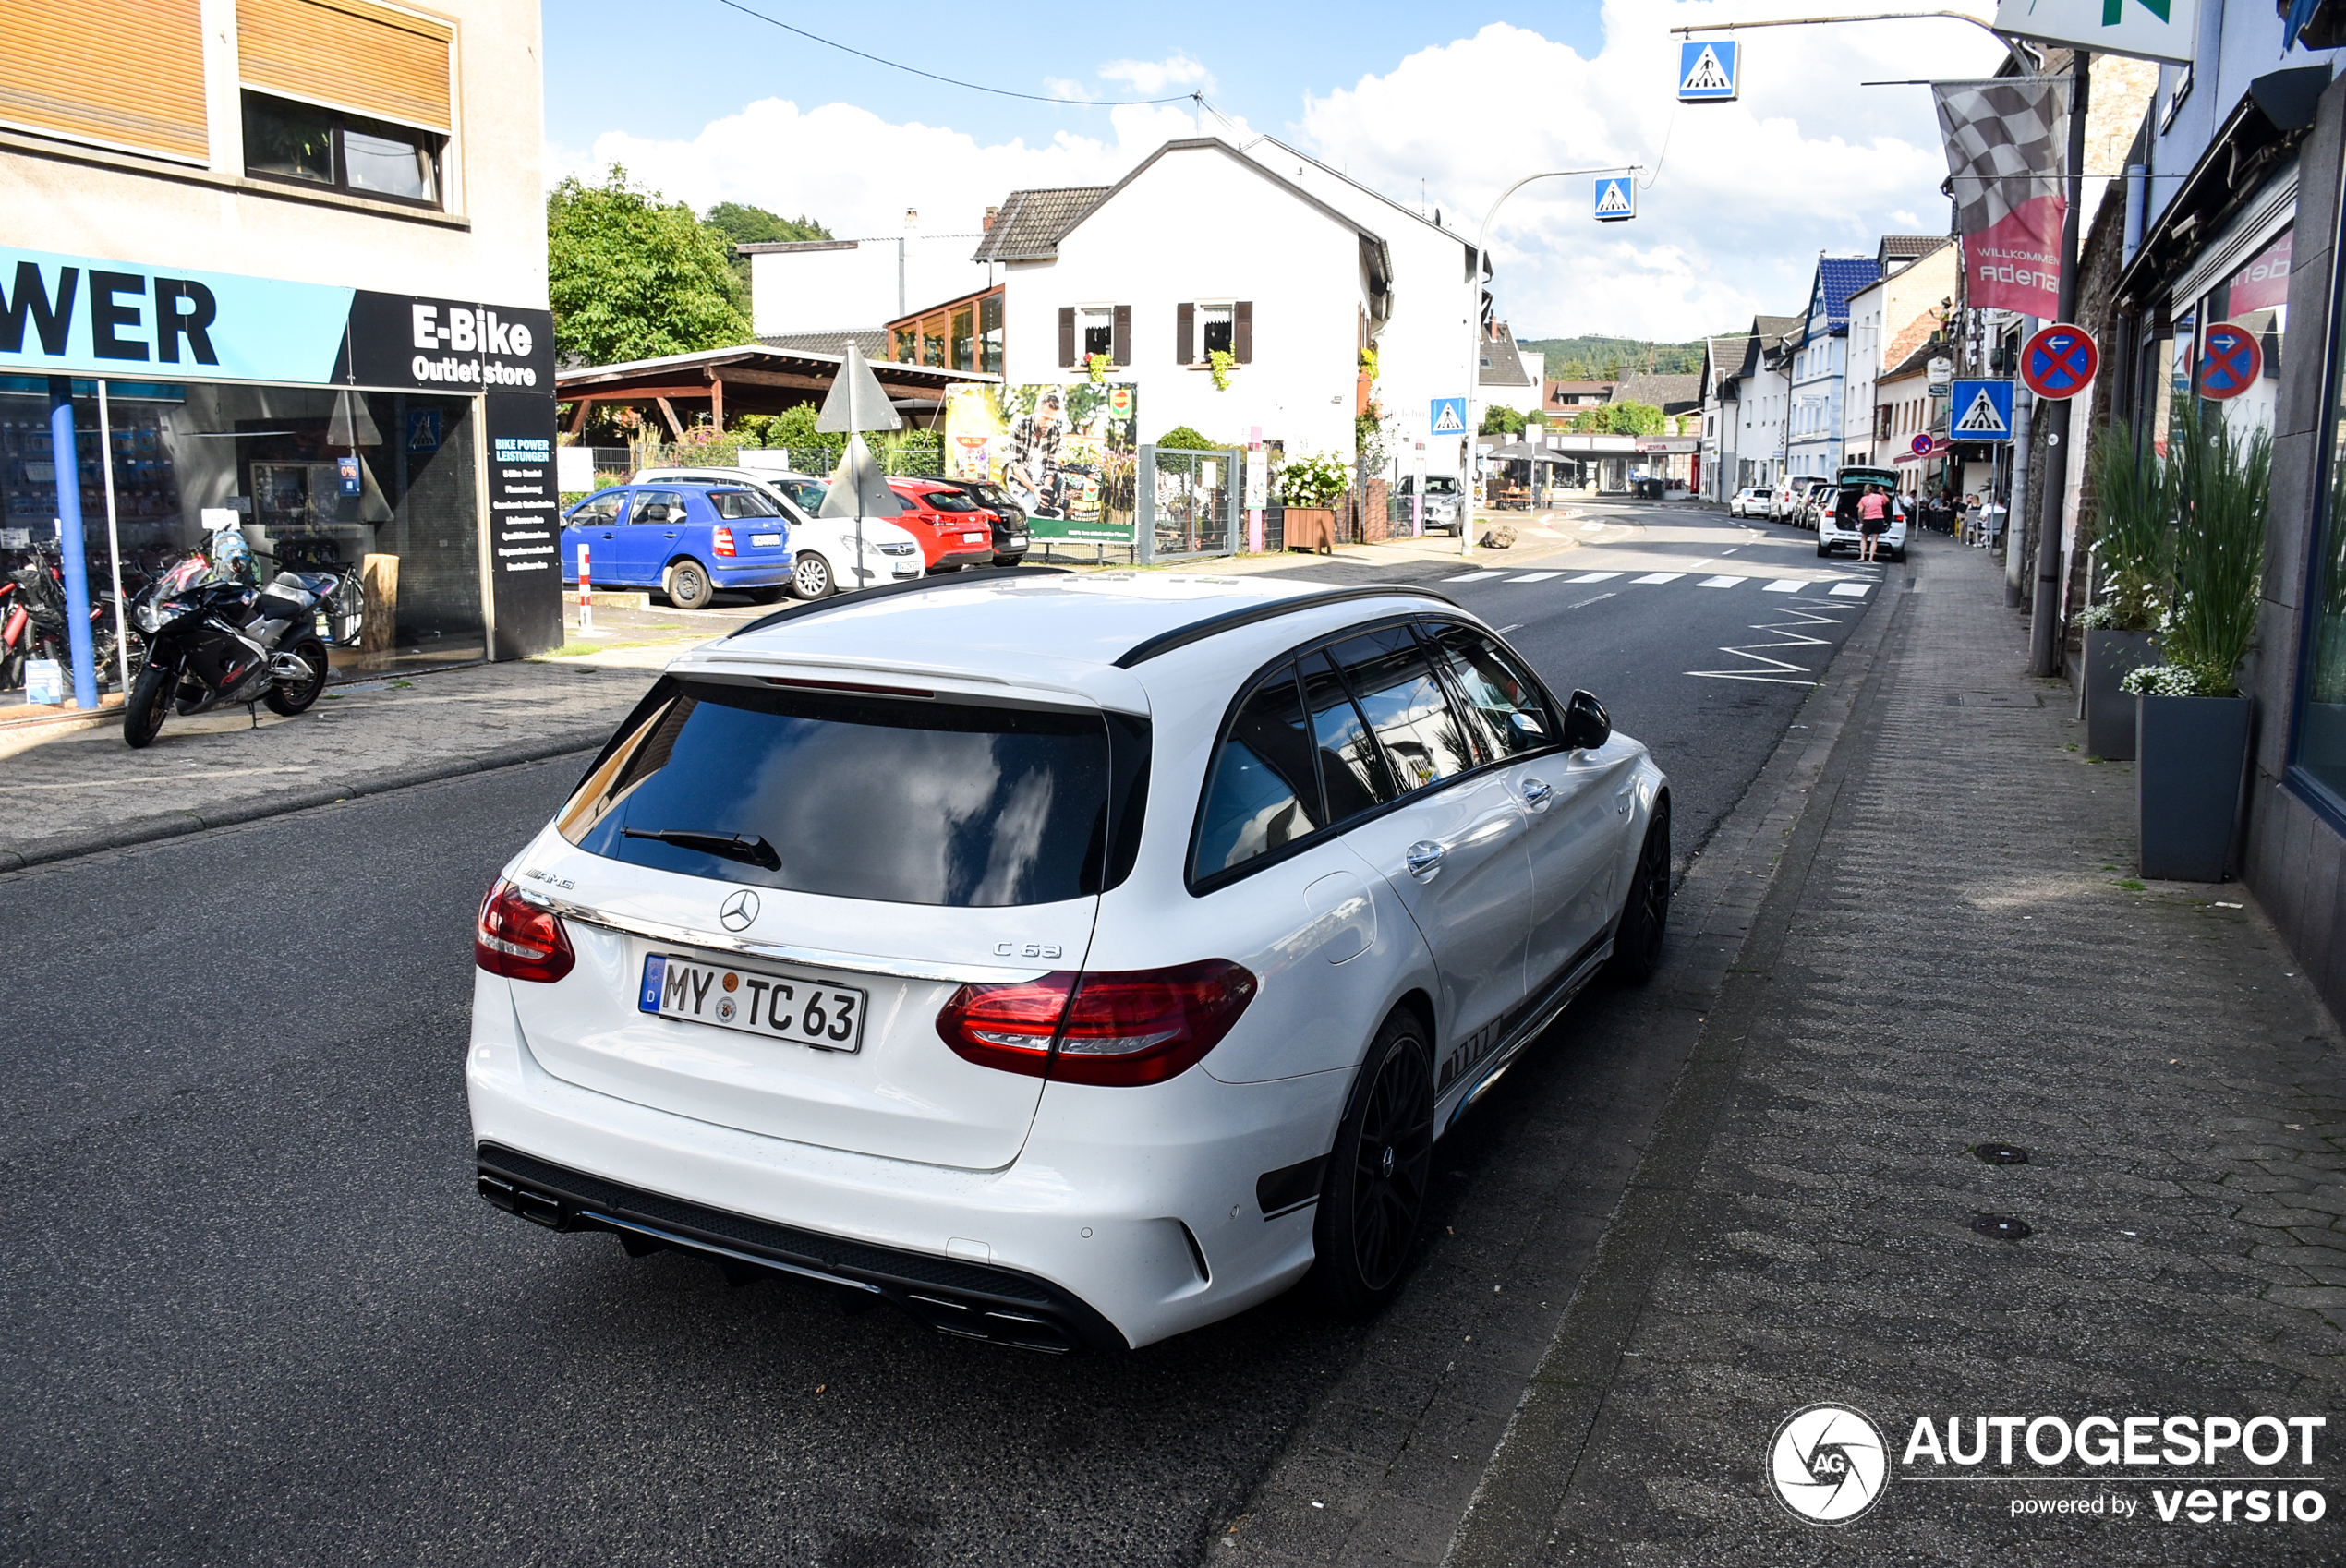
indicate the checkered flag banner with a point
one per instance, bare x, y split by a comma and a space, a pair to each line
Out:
2007, 142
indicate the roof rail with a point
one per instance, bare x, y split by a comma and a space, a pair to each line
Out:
1197, 631
886, 590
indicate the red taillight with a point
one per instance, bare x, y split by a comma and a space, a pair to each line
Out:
1120, 1030
519, 940
723, 544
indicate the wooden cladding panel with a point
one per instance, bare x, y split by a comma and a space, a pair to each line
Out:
348, 54
62, 74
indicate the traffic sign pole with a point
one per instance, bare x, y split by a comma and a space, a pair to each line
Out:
2044, 620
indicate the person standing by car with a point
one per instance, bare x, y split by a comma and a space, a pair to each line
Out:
1873, 521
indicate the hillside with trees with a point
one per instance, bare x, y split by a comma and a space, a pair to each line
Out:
1591, 358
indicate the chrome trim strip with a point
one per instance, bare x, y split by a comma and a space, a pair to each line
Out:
1504, 1058
780, 952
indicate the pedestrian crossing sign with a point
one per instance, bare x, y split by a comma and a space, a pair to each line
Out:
1449, 416
1616, 198
1982, 410
1707, 71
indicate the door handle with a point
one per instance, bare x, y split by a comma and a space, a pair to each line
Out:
1423, 859
1624, 801
1537, 793
670, 535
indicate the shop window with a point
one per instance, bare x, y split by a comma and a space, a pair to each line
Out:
908, 346
989, 334
285, 139
2319, 747
2255, 300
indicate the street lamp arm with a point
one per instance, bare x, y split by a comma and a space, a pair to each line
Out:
2010, 47
1467, 475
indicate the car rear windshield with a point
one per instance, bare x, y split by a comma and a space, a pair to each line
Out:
744, 503
899, 800
949, 500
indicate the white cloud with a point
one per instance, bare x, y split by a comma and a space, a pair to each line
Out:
1742, 201
1745, 196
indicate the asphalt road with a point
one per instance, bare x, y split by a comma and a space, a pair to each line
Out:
255, 1314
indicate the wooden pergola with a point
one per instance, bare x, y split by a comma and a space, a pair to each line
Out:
752, 379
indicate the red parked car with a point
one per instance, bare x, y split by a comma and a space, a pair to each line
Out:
953, 529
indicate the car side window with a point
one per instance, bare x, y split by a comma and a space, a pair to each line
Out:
598, 511
1351, 768
744, 503
1405, 708
660, 506
1264, 794
1505, 711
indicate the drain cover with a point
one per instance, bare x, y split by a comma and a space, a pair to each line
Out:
2004, 1227
2000, 1153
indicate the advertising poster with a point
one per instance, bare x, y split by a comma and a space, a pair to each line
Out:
1068, 454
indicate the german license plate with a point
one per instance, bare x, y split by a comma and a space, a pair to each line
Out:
761, 541
796, 1007
973, 538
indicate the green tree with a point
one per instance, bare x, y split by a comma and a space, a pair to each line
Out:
1181, 438
1619, 419
743, 224
631, 276
1499, 420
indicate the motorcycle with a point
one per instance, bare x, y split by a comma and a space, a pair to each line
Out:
32, 625
214, 640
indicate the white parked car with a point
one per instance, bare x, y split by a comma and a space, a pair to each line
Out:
1071, 960
1836, 524
824, 546
1749, 501
1440, 500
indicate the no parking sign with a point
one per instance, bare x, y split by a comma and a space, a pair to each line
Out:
2060, 362
2230, 362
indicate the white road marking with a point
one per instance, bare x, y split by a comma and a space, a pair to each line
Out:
1659, 577
1788, 586
1851, 590
1537, 576
1587, 602
1517, 627
1474, 577
1596, 577
1722, 582
1776, 671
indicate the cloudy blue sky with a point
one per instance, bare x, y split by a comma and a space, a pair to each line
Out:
1442, 104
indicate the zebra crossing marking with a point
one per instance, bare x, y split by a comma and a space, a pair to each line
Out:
1787, 585
1659, 577
1851, 590
1595, 577
1722, 582
1537, 576
1474, 577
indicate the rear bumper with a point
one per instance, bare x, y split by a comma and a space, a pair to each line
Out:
975, 555
1133, 1208
765, 574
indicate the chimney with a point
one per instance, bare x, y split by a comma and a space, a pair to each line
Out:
992, 214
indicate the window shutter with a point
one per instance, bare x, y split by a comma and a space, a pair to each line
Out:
1120, 344
1242, 332
348, 54
1067, 337
125, 74
1185, 334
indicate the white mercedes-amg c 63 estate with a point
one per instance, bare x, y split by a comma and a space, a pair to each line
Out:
1071, 960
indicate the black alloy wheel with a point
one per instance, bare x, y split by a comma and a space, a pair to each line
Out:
291, 700
811, 577
1645, 914
149, 705
1374, 1195
688, 586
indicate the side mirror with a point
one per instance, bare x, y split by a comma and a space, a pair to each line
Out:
1586, 724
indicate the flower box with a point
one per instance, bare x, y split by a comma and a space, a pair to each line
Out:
2111, 719
2193, 759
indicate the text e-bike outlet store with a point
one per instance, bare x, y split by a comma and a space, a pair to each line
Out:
334, 423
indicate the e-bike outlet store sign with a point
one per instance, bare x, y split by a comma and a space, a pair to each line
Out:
260, 396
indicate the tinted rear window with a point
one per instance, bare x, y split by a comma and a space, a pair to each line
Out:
949, 500
902, 800
744, 503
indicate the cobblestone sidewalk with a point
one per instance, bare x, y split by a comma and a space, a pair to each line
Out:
86, 791
1955, 953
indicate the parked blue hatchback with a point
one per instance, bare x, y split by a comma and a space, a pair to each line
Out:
685, 540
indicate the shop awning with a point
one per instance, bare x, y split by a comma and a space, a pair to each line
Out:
751, 379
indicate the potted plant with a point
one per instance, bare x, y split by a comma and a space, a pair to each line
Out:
2133, 487
1310, 488
2192, 721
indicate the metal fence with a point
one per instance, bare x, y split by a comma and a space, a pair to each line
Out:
1191, 503
612, 463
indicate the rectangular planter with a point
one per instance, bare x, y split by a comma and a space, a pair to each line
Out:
2194, 754
2110, 713
1311, 528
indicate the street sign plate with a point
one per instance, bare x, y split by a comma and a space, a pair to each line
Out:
1616, 198
1708, 70
1920, 446
2147, 30
1981, 411
2060, 362
2231, 361
1449, 416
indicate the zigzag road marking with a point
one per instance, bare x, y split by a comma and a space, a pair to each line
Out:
1788, 673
